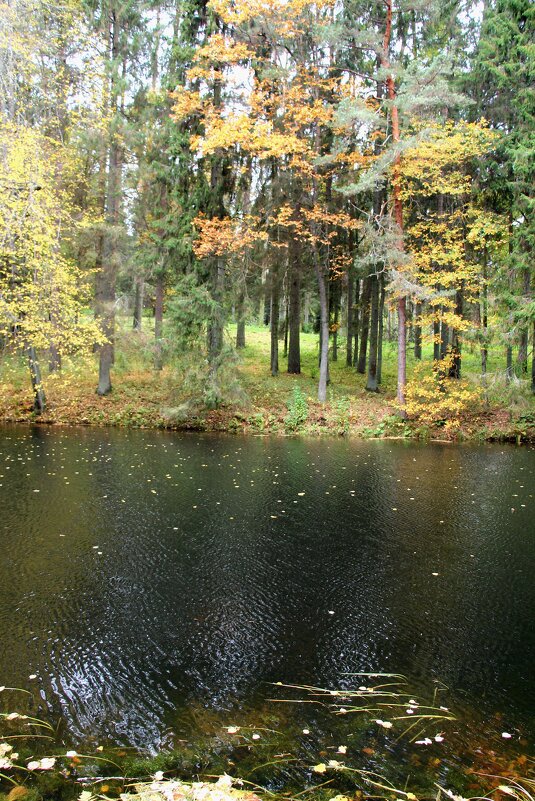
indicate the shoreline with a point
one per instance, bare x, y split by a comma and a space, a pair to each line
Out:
271, 423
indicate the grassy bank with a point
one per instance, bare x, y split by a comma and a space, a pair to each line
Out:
258, 403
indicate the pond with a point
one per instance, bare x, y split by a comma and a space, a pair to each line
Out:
153, 583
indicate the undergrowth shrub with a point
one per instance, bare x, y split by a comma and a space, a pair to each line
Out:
297, 411
433, 399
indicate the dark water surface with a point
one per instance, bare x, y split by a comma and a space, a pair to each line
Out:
144, 575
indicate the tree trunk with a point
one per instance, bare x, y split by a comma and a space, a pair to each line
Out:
349, 319
215, 328
54, 361
533, 360
365, 307
158, 321
138, 303
444, 340
39, 399
484, 319
294, 350
398, 205
306, 311
371, 383
509, 364
324, 331
336, 317
524, 333
286, 316
418, 332
108, 273
274, 321
455, 367
436, 339
381, 326
240, 322
356, 323
267, 300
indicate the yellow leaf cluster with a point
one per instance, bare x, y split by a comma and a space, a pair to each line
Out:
41, 289
226, 237
284, 16
431, 398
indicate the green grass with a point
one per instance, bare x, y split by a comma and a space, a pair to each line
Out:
144, 397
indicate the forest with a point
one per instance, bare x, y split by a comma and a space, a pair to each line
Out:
199, 197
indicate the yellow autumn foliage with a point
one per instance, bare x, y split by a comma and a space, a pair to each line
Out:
431, 398
41, 290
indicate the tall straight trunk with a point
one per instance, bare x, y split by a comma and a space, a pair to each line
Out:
294, 311
418, 331
371, 383
349, 319
398, 205
524, 333
444, 340
108, 274
240, 320
215, 327
336, 317
217, 211
484, 318
533, 359
54, 356
54, 360
365, 327
267, 300
436, 339
509, 372
381, 326
306, 311
455, 367
356, 323
274, 321
286, 316
138, 303
39, 399
158, 321
324, 330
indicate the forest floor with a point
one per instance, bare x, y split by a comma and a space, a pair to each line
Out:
257, 402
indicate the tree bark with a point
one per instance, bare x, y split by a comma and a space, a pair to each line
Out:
356, 322
398, 206
158, 321
381, 326
365, 327
349, 319
336, 316
306, 311
418, 332
524, 333
533, 360
294, 349
372, 383
215, 329
240, 320
509, 372
324, 331
138, 304
274, 321
39, 399
108, 273
455, 367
